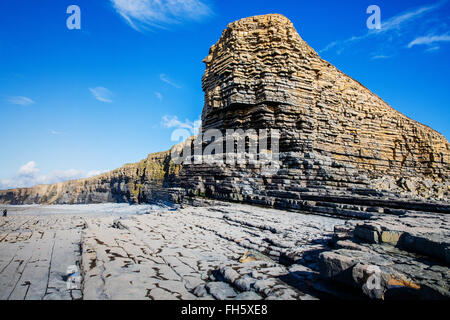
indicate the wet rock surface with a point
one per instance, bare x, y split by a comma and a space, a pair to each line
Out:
201, 253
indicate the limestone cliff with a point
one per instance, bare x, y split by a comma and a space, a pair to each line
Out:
145, 181
339, 142
337, 137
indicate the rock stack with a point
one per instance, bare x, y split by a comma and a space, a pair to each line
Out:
342, 150
339, 142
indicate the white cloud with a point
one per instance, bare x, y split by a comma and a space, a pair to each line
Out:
429, 40
165, 78
159, 96
29, 175
433, 49
22, 101
173, 122
392, 30
379, 57
102, 94
28, 169
145, 14
397, 21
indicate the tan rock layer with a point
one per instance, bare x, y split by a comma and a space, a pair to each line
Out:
335, 134
140, 182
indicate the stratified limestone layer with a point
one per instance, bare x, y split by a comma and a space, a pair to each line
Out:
343, 150
386, 257
337, 137
141, 182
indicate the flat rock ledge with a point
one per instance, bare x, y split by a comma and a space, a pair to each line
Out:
223, 251
402, 257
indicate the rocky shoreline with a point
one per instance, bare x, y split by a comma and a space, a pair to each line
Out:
223, 251
355, 205
338, 143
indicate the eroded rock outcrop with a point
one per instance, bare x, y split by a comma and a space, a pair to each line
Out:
342, 149
145, 181
337, 137
389, 257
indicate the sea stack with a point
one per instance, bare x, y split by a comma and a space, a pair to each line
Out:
337, 137
342, 150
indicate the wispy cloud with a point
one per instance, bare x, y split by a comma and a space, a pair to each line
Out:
393, 31
398, 21
433, 49
29, 175
429, 40
21, 101
159, 96
167, 80
168, 121
379, 57
102, 94
147, 14
28, 170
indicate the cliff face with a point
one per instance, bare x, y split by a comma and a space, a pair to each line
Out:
145, 181
337, 139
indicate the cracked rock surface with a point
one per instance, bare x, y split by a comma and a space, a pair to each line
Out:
406, 256
35, 253
219, 251
196, 253
224, 251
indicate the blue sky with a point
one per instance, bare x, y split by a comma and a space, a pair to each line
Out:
77, 102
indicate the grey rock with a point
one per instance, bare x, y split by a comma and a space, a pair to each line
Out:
248, 296
220, 290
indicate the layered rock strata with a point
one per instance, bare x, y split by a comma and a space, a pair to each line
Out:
403, 257
336, 137
145, 181
342, 150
